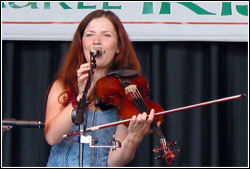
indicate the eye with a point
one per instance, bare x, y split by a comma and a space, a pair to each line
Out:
89, 34
107, 35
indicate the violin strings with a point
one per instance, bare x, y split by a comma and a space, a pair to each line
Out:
140, 101
137, 98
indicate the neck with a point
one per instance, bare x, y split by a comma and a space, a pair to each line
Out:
98, 73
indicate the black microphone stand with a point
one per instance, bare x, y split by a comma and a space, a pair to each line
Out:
79, 116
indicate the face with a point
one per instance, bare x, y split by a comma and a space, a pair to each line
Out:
100, 31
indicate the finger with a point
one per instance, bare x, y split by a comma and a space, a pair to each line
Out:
82, 72
139, 118
83, 77
82, 80
151, 116
84, 68
133, 119
144, 117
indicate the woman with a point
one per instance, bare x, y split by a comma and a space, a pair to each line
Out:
105, 29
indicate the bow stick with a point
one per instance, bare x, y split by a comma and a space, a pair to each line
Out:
160, 113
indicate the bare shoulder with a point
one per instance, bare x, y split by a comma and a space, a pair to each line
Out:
57, 87
57, 84
55, 90
53, 104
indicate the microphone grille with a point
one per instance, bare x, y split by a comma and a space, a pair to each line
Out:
97, 50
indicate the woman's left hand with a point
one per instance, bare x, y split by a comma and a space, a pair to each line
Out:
139, 126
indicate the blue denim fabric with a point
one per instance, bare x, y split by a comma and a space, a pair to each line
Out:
66, 153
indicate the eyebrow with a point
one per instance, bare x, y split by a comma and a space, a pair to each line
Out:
102, 31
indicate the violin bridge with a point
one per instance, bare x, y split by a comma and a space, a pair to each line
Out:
130, 89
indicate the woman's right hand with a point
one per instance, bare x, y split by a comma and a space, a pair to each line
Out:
82, 78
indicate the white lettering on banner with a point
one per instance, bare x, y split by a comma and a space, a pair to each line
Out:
144, 21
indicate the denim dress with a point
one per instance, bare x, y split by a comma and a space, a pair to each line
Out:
66, 153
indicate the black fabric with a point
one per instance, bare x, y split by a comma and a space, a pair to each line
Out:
179, 74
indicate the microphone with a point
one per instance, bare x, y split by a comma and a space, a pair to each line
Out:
97, 51
23, 123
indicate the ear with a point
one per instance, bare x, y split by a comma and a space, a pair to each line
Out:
117, 51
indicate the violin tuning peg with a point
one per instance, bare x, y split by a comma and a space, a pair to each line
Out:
158, 157
156, 149
176, 150
173, 143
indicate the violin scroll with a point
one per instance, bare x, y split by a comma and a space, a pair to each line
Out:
167, 154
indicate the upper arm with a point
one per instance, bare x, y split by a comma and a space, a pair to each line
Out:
53, 105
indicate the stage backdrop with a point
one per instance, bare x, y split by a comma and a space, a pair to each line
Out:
144, 21
179, 74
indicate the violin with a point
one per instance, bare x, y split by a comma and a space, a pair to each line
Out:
129, 92
126, 88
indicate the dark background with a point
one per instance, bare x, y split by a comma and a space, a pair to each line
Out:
179, 74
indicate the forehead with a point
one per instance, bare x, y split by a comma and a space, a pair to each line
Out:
100, 24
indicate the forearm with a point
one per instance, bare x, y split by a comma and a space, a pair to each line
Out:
125, 154
131, 137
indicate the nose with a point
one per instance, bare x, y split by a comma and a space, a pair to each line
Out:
97, 40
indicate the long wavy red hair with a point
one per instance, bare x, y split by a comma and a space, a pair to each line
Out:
126, 59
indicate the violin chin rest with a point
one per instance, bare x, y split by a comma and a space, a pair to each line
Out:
125, 73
